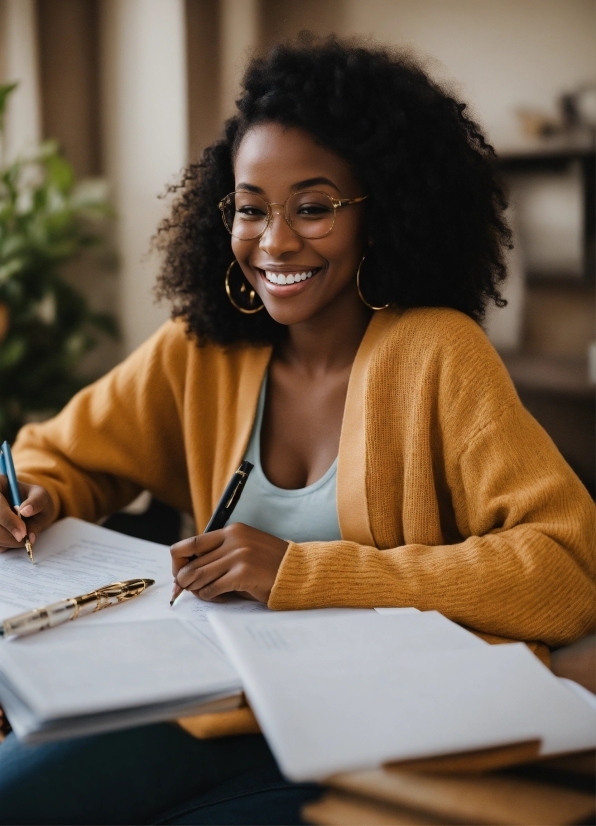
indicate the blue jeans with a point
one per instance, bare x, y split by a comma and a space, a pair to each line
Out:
151, 774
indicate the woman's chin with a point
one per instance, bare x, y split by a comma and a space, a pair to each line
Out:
288, 316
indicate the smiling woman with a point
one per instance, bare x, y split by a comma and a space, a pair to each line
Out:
433, 220
325, 330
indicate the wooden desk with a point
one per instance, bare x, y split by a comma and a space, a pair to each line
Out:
556, 791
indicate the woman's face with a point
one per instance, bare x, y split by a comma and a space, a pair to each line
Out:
275, 162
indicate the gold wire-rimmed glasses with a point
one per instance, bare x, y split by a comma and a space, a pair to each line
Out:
310, 214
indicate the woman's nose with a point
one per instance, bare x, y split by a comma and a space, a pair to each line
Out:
279, 237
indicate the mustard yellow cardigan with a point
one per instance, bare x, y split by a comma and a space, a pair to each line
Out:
450, 496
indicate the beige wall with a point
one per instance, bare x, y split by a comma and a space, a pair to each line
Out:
19, 62
143, 69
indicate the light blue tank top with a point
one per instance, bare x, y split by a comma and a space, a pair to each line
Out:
303, 515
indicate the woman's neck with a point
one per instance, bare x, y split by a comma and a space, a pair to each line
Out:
327, 342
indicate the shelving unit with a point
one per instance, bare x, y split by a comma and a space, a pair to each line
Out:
555, 387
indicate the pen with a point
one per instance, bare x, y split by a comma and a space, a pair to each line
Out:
9, 470
224, 509
68, 609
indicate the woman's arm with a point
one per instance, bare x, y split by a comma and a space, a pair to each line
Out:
116, 437
525, 569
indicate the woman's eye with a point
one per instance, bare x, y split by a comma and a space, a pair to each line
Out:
313, 210
250, 212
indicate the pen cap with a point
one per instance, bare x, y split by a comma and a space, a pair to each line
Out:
2, 465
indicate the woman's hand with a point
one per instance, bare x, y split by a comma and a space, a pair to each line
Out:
236, 558
36, 506
5, 727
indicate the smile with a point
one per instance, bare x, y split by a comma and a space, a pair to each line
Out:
288, 277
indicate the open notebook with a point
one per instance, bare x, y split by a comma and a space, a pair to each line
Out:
129, 664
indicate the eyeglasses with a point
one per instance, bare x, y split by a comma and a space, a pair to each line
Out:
310, 214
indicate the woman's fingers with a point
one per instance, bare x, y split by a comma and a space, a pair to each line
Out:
12, 528
36, 507
193, 578
199, 572
217, 588
34, 499
194, 546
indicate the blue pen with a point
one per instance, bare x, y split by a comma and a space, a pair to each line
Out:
7, 467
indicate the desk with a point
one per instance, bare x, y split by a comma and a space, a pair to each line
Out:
556, 791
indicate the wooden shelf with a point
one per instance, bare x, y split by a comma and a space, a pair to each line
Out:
551, 374
560, 147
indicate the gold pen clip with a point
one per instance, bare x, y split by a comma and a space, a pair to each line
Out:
231, 499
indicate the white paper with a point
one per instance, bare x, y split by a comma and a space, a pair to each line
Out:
197, 610
74, 557
81, 669
397, 611
344, 693
581, 692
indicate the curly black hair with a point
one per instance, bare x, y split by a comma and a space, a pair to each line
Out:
436, 207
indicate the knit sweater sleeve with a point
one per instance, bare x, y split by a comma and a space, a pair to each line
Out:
116, 437
524, 568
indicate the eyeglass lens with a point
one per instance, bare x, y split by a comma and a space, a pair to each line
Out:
310, 214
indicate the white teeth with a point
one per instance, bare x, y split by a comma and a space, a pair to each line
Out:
290, 278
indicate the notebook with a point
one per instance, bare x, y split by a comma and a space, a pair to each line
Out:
129, 664
335, 693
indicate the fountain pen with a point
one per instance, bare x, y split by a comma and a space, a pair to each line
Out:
68, 609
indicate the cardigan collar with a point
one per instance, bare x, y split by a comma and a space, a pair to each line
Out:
352, 499
351, 468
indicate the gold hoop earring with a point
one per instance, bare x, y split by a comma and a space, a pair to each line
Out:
362, 298
251, 293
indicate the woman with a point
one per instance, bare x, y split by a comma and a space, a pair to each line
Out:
336, 345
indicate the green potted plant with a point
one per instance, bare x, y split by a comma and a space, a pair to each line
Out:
46, 325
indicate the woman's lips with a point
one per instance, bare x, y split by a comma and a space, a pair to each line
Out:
288, 282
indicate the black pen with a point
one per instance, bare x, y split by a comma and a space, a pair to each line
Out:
225, 506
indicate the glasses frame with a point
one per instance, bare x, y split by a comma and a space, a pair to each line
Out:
337, 204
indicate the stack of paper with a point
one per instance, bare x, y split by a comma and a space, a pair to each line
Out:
337, 693
129, 664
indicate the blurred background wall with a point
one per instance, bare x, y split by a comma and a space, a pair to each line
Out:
134, 89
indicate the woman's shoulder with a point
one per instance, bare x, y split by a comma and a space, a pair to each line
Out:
441, 328
443, 353
438, 336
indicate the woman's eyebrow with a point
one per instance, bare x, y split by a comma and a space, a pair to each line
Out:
250, 188
297, 186
313, 182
